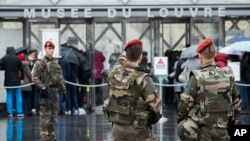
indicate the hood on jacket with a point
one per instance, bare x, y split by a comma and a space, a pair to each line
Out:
10, 51
221, 60
221, 57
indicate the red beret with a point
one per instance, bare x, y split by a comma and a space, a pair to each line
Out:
135, 42
49, 44
21, 56
204, 43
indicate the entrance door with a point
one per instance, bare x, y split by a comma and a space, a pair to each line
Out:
206, 28
107, 34
174, 35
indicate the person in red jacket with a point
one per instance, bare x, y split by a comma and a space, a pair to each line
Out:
221, 60
98, 58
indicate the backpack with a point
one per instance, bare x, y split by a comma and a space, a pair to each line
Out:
125, 97
85, 71
215, 97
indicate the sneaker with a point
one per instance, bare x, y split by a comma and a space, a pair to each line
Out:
68, 112
33, 111
10, 116
76, 112
82, 111
20, 115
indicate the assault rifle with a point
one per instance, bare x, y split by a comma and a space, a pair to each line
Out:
47, 87
153, 117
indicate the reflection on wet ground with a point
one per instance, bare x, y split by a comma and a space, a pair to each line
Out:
91, 127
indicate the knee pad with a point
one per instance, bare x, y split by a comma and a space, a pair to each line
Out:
188, 130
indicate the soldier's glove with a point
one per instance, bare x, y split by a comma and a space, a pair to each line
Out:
155, 117
44, 93
64, 96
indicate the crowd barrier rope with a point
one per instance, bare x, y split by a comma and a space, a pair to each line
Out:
105, 84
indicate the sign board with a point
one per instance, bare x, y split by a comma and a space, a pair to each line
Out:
54, 36
235, 66
160, 65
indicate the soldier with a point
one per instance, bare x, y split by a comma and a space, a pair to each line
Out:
210, 99
134, 103
47, 76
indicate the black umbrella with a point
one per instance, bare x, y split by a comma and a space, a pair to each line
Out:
21, 50
72, 54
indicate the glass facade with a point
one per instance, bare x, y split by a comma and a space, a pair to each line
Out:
161, 25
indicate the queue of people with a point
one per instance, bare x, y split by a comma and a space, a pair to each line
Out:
23, 97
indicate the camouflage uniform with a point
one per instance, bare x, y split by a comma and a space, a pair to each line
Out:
134, 104
49, 106
209, 100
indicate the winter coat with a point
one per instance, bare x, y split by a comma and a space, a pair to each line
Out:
245, 67
98, 59
27, 76
99, 66
13, 67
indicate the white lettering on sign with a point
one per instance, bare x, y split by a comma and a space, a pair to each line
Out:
74, 13
88, 13
240, 132
193, 12
111, 12
60, 13
207, 12
46, 13
149, 14
178, 12
221, 12
125, 12
163, 12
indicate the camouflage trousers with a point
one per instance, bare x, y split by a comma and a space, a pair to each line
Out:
48, 116
188, 130
208, 133
129, 133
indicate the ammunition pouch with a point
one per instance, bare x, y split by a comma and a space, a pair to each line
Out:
141, 120
118, 114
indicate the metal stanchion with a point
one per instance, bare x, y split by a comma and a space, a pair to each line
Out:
163, 119
89, 102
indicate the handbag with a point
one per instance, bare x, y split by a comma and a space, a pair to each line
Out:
182, 76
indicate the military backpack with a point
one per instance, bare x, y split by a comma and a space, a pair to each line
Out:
215, 97
126, 105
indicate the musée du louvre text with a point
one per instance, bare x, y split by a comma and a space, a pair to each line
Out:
124, 12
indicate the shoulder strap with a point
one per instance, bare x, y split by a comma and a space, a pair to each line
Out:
201, 90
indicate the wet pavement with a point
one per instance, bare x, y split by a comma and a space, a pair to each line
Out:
90, 127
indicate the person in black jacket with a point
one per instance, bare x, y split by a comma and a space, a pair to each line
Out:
245, 79
13, 68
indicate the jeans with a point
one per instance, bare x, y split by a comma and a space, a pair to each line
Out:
17, 94
62, 103
72, 97
36, 102
27, 102
244, 94
98, 92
